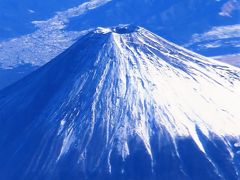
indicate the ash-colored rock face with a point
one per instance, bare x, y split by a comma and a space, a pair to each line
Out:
122, 103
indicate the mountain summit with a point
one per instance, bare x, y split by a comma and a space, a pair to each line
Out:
122, 104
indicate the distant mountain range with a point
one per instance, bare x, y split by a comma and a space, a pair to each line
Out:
122, 104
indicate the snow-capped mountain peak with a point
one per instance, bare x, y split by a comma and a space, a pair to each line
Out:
118, 97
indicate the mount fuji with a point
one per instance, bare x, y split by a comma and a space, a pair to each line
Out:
34, 32
123, 103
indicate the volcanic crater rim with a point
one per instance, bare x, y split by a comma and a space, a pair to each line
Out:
120, 29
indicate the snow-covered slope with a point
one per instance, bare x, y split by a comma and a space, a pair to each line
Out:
123, 103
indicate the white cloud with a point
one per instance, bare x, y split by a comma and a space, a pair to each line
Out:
229, 7
30, 11
218, 36
219, 32
61, 18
